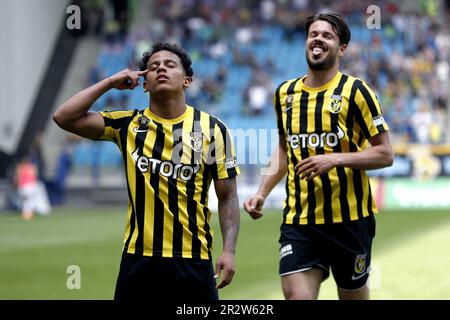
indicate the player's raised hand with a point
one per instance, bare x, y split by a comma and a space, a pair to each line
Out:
126, 79
253, 206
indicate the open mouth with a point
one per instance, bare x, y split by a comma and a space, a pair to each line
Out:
317, 50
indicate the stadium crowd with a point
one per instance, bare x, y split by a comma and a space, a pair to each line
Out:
242, 49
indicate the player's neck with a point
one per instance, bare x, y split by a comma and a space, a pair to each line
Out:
318, 78
168, 107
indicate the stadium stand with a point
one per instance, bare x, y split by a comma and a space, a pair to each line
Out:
242, 49
408, 68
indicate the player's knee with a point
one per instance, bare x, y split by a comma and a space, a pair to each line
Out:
301, 295
358, 294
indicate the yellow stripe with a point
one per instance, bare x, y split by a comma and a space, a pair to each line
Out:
332, 174
365, 192
335, 192
131, 172
346, 91
295, 128
351, 196
182, 197
149, 215
204, 123
130, 207
164, 194
289, 198
220, 153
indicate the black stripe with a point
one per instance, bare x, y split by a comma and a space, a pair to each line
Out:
357, 111
287, 209
123, 142
205, 187
305, 154
357, 182
278, 109
354, 113
177, 236
140, 194
369, 201
212, 161
204, 196
343, 188
226, 137
340, 87
190, 192
360, 139
350, 121
326, 184
120, 122
318, 128
158, 211
370, 103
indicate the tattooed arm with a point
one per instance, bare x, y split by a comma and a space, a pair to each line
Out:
229, 217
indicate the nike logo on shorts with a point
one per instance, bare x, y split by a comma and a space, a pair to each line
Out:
354, 277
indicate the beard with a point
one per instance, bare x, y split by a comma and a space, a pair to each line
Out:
324, 64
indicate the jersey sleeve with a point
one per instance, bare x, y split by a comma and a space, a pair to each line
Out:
369, 115
224, 162
277, 106
114, 122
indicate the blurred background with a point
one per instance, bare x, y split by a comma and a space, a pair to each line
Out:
241, 50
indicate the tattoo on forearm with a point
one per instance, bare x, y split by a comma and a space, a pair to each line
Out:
229, 214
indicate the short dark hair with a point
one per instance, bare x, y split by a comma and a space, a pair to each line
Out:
337, 22
186, 60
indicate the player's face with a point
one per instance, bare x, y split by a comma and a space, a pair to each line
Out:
322, 46
165, 73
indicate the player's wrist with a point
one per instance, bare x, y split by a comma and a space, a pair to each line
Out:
338, 161
229, 251
261, 195
110, 83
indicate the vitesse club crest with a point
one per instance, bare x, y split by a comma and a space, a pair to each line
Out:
360, 263
336, 103
143, 121
289, 100
197, 141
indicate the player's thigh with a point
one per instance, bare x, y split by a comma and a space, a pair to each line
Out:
302, 285
303, 263
351, 254
300, 250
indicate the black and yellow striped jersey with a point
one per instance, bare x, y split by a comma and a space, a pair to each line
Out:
337, 117
169, 165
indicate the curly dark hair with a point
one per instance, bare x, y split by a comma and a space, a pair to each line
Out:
174, 48
337, 22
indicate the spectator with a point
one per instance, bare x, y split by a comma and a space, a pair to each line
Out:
33, 196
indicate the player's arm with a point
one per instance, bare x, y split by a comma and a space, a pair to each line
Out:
229, 218
276, 171
74, 115
379, 155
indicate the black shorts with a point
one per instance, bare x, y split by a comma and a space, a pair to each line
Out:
345, 247
156, 278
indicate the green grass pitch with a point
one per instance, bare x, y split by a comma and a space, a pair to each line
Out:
411, 255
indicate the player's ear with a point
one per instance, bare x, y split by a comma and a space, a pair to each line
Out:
145, 85
342, 49
187, 82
